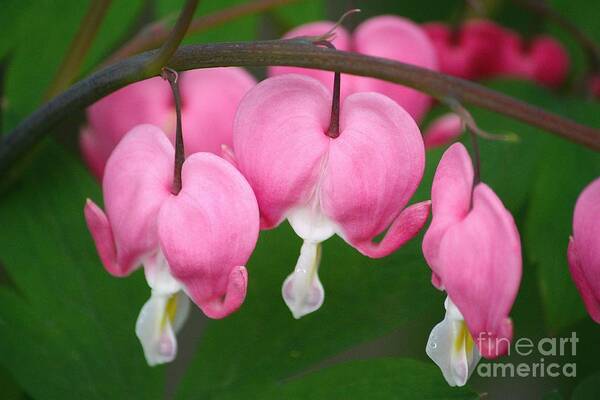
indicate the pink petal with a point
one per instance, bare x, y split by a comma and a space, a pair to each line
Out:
443, 130
137, 181
480, 267
406, 226
279, 141
208, 231
373, 169
210, 98
110, 118
402, 40
451, 200
341, 41
584, 248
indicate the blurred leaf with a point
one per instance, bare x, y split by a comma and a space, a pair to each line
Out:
9, 390
588, 389
303, 12
244, 28
375, 379
262, 343
41, 32
68, 329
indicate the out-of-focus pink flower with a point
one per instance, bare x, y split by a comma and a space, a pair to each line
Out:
355, 185
544, 60
595, 86
474, 252
196, 242
584, 248
443, 130
209, 100
468, 53
384, 36
483, 49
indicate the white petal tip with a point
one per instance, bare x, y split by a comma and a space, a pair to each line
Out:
302, 297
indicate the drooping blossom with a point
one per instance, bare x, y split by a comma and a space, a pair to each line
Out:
584, 248
543, 60
385, 36
194, 244
474, 252
470, 51
209, 100
355, 185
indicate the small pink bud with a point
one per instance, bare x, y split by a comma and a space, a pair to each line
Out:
443, 130
584, 248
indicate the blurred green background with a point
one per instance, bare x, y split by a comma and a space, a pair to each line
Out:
66, 326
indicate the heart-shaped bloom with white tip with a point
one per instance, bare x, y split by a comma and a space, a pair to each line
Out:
355, 185
194, 243
474, 251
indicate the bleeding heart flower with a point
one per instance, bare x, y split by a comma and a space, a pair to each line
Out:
469, 52
355, 185
385, 36
209, 96
584, 248
473, 249
443, 130
544, 60
195, 242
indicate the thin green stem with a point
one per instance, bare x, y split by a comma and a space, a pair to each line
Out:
289, 53
151, 36
71, 64
175, 37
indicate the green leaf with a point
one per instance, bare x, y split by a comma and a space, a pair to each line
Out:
67, 330
262, 343
375, 379
588, 389
40, 35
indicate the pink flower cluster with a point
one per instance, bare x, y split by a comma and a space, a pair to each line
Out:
280, 162
483, 49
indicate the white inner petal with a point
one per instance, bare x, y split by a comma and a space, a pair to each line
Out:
159, 320
452, 348
158, 275
302, 290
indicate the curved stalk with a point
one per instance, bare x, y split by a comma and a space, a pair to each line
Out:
290, 53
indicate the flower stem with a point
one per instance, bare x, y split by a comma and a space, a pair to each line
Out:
171, 75
175, 37
333, 130
71, 64
152, 35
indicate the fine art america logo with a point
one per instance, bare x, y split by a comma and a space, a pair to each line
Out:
548, 362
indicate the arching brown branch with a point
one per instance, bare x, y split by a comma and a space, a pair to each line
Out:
283, 52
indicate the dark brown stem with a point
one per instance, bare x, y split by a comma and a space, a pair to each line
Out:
289, 53
333, 130
171, 75
476, 158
